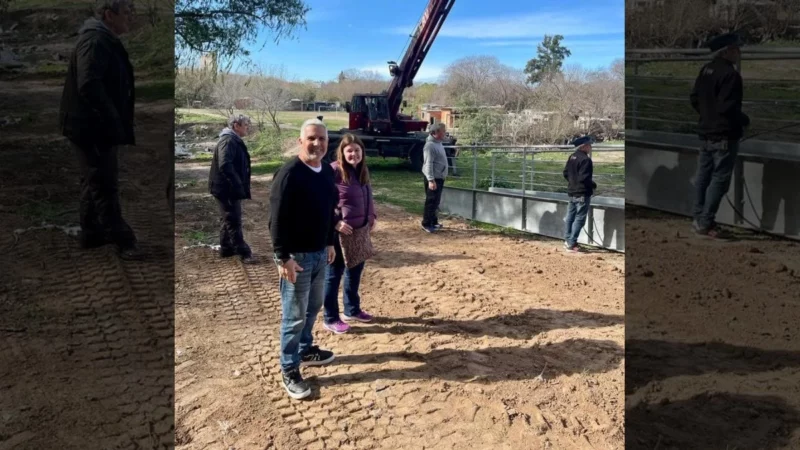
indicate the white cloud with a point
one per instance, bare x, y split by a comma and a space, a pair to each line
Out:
426, 72
585, 45
528, 25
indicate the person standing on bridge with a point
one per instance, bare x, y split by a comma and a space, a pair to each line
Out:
229, 183
355, 211
434, 170
97, 116
578, 172
303, 201
717, 97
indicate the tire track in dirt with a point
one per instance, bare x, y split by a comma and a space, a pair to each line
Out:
92, 361
453, 364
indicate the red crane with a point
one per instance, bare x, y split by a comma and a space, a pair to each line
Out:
376, 118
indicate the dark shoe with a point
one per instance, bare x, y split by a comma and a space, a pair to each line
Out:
295, 385
316, 357
92, 240
130, 253
438, 227
249, 259
225, 252
429, 229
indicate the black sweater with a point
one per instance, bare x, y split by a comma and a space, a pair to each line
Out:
302, 205
578, 173
717, 96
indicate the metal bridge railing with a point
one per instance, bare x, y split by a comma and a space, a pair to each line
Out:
650, 106
533, 168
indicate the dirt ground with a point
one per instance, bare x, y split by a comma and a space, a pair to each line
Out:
712, 339
482, 341
87, 348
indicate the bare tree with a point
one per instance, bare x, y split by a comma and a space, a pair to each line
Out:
227, 90
193, 84
271, 93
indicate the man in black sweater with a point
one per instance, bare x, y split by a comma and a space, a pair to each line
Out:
303, 200
96, 115
717, 97
578, 173
229, 183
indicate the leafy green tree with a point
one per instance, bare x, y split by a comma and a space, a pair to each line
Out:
225, 27
550, 56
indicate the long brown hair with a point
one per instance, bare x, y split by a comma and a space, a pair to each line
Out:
361, 169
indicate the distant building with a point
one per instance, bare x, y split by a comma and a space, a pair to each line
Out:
295, 104
243, 103
208, 61
444, 114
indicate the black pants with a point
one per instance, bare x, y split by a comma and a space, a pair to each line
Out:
100, 210
231, 238
432, 199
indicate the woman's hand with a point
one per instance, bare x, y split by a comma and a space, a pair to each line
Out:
344, 228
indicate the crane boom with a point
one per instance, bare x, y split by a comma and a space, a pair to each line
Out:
421, 41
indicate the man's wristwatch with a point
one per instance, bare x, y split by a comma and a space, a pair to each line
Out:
280, 261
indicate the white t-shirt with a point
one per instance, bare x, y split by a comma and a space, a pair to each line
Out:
315, 169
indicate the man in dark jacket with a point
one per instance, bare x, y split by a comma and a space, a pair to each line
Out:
303, 201
578, 173
96, 115
229, 183
717, 96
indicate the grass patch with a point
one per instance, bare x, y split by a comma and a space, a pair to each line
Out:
763, 80
334, 120
156, 90
18, 5
266, 167
43, 212
198, 237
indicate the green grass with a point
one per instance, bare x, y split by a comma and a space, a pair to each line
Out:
334, 120
156, 90
17, 5
767, 82
47, 212
396, 184
198, 237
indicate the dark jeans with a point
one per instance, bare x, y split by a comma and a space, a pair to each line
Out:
714, 171
100, 209
231, 238
300, 304
432, 200
352, 279
576, 218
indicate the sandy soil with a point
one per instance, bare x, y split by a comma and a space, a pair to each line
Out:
712, 339
86, 353
483, 341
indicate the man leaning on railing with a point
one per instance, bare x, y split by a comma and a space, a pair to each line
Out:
717, 96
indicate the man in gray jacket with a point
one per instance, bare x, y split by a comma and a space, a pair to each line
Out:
434, 169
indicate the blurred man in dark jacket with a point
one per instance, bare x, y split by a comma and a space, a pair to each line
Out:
96, 115
229, 183
578, 172
717, 97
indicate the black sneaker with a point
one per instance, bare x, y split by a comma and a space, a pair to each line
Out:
295, 385
316, 357
130, 252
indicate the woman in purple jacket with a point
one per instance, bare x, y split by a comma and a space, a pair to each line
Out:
356, 209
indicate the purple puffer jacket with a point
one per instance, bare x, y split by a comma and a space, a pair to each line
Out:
355, 200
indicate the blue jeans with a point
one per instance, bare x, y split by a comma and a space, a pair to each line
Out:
576, 218
301, 302
352, 279
714, 171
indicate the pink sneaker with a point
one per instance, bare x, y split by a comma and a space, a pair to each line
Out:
337, 327
360, 317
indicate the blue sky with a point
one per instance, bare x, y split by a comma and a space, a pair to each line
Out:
365, 34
